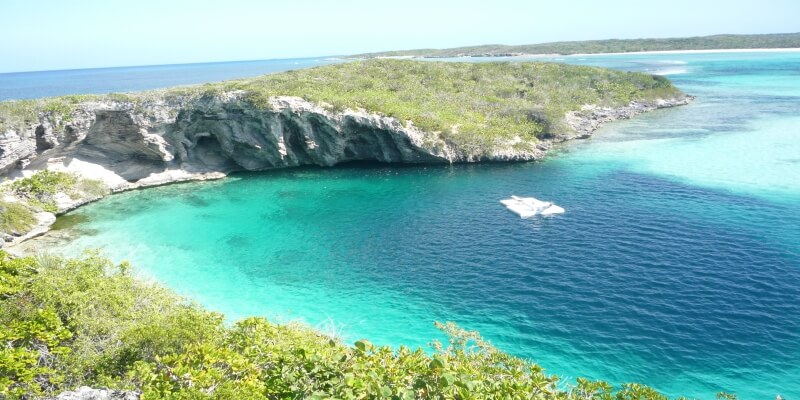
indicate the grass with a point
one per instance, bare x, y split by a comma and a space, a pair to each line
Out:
15, 218
20, 115
38, 192
776, 40
475, 106
40, 189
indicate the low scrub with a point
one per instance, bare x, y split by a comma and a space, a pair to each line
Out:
86, 321
472, 105
41, 188
15, 218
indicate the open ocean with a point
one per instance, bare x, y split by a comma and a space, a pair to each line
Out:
676, 264
31, 85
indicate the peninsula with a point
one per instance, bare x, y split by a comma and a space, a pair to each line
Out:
377, 110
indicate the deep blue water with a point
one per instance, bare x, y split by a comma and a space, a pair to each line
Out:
676, 264
31, 85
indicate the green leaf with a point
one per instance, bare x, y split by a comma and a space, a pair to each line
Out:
363, 345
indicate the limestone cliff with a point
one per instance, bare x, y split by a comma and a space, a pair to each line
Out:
164, 140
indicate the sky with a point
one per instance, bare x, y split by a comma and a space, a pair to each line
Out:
58, 34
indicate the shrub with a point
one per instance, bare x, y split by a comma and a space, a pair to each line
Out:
40, 188
71, 322
15, 218
778, 40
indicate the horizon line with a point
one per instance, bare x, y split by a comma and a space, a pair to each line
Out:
168, 64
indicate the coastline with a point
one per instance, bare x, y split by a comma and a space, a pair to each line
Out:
650, 52
583, 123
121, 142
710, 51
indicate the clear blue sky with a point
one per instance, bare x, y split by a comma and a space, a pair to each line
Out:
63, 34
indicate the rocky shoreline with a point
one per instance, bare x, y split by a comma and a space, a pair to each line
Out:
127, 146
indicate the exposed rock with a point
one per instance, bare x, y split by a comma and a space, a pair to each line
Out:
87, 393
45, 138
587, 120
15, 150
160, 141
213, 136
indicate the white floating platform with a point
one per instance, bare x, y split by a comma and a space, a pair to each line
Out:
527, 207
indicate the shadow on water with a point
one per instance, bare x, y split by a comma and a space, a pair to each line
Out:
69, 221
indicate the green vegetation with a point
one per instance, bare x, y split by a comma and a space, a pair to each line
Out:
20, 115
15, 218
777, 40
71, 322
474, 105
38, 192
40, 188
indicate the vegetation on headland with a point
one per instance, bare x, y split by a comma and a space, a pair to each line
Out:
469, 104
38, 193
71, 322
714, 42
41, 188
15, 218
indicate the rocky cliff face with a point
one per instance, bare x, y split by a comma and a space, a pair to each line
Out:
211, 136
159, 141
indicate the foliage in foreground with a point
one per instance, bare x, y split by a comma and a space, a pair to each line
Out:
71, 322
475, 105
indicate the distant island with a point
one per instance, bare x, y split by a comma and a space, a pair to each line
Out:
714, 42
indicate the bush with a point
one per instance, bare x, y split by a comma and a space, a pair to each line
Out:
40, 188
473, 105
15, 218
71, 322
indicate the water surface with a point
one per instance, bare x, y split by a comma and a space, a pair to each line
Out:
31, 85
677, 262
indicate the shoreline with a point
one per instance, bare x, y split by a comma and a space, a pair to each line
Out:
115, 143
709, 51
583, 122
646, 52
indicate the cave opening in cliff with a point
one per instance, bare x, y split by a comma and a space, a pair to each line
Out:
209, 152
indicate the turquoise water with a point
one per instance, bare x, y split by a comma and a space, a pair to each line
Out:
676, 264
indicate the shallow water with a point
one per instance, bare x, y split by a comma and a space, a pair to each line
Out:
677, 262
